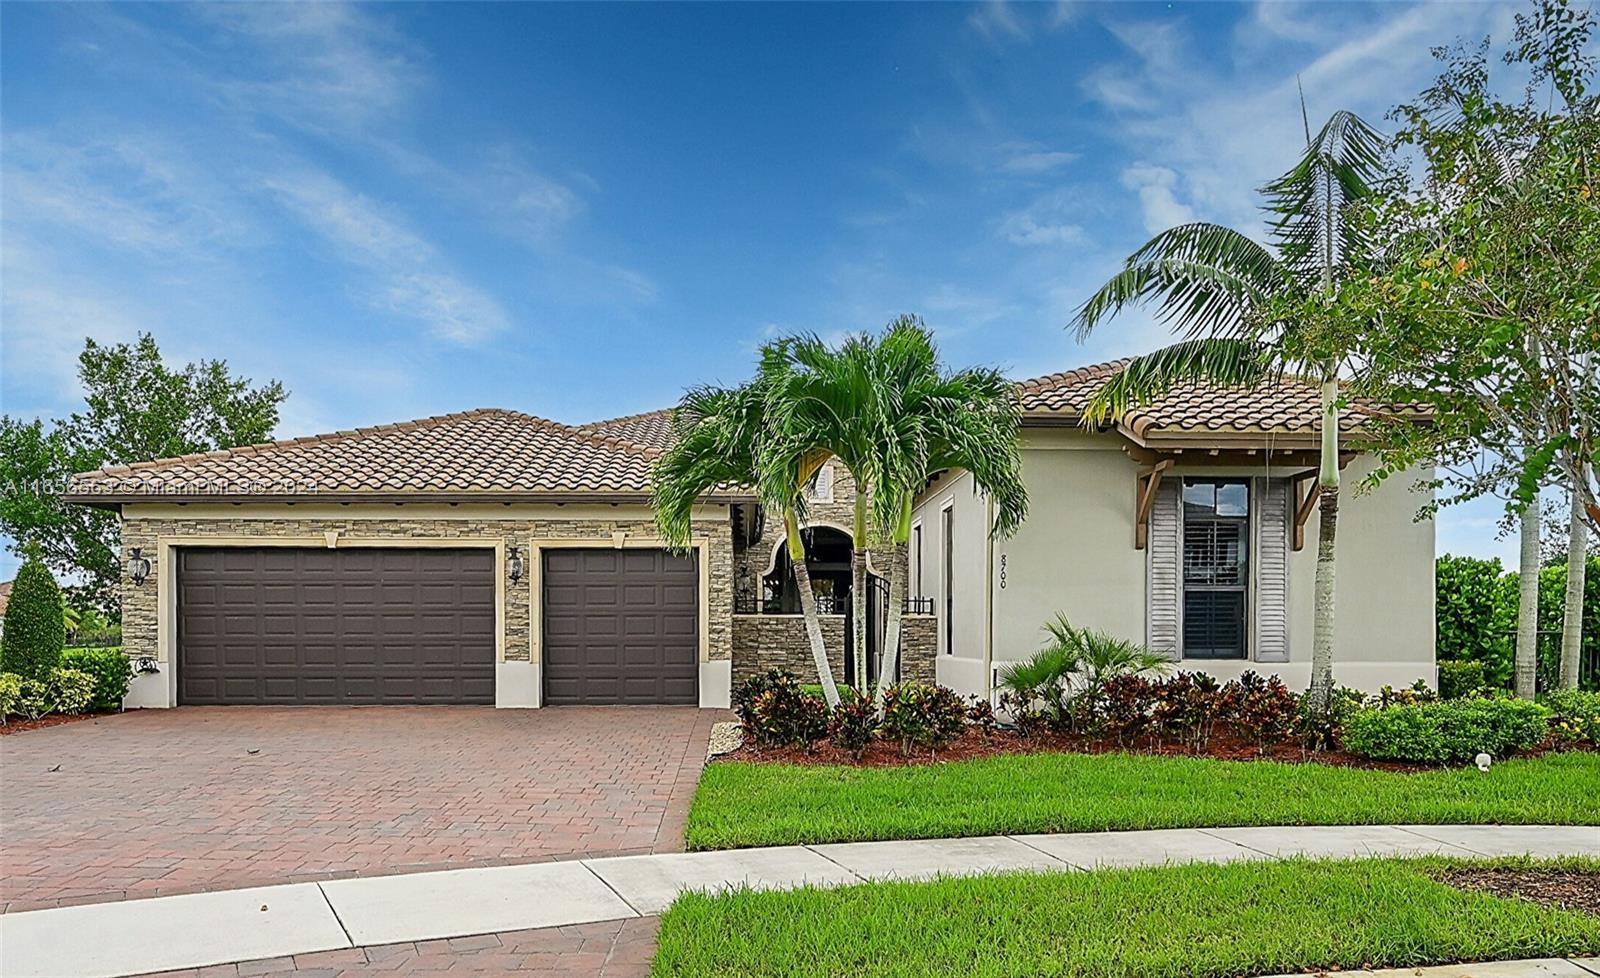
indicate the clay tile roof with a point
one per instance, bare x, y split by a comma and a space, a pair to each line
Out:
652, 429
488, 453
1289, 405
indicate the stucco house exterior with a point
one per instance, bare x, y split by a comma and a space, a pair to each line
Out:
494, 557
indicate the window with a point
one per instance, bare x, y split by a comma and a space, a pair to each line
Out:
916, 560
948, 517
821, 488
1216, 568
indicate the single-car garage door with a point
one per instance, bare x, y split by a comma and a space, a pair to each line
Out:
620, 626
288, 625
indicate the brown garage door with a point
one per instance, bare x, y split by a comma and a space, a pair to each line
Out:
620, 626
285, 625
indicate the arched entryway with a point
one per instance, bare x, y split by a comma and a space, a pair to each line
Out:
828, 552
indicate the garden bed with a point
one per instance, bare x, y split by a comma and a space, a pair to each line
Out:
1555, 886
17, 725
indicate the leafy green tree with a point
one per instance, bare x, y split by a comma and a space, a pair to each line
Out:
136, 407
35, 630
1484, 303
1250, 312
1472, 616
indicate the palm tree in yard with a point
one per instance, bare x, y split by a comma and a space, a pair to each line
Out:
723, 438
1235, 302
887, 409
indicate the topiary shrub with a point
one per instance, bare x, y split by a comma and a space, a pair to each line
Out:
71, 690
1446, 732
853, 723
1576, 718
10, 694
112, 672
922, 716
35, 629
1460, 678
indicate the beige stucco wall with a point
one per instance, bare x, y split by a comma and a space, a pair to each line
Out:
962, 629
149, 609
1075, 554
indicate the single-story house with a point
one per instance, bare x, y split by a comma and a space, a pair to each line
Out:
494, 557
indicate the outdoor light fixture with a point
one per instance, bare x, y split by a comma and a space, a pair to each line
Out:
138, 567
514, 564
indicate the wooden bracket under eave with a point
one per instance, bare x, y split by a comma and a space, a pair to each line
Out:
1304, 495
1145, 483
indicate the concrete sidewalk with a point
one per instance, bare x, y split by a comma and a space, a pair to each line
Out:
195, 930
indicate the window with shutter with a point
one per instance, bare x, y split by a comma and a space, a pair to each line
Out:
1165, 585
1216, 568
1272, 571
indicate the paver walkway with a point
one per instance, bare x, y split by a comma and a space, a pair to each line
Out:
162, 802
289, 921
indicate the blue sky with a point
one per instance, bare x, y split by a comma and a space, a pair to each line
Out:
577, 210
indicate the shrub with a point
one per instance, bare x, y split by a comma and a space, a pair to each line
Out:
1447, 732
10, 694
1185, 708
923, 716
1576, 716
71, 690
775, 712
1025, 714
1264, 709
1320, 730
112, 672
815, 689
981, 715
853, 723
1066, 674
1472, 614
34, 699
35, 630
1460, 678
1125, 703
1417, 692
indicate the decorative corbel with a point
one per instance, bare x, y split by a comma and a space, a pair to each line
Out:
1145, 483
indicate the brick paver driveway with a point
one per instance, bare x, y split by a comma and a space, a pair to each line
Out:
173, 801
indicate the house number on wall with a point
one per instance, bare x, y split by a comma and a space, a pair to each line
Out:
1002, 572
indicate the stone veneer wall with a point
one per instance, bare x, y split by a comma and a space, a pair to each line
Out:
139, 603
840, 512
762, 642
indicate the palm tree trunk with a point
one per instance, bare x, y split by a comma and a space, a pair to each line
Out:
858, 590
891, 629
1572, 617
1527, 655
808, 608
1321, 691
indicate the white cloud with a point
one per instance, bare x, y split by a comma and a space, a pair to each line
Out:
404, 268
1027, 159
997, 21
1157, 189
1050, 220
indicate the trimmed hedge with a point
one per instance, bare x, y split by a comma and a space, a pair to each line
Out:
112, 673
1577, 715
1446, 732
35, 629
1458, 678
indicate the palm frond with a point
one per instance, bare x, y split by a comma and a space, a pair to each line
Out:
1224, 362
1309, 204
1202, 278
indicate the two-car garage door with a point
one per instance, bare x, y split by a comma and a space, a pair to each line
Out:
281, 625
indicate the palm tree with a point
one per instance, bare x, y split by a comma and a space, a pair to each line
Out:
1234, 301
722, 438
928, 420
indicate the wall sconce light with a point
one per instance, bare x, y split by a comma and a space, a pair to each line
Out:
138, 567
514, 564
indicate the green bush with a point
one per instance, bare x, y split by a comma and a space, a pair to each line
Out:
71, 690
1459, 678
35, 630
1472, 615
1552, 610
853, 723
1577, 716
35, 698
921, 716
10, 694
1447, 732
112, 673
775, 712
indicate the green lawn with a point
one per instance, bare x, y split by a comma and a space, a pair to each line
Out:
739, 804
1184, 922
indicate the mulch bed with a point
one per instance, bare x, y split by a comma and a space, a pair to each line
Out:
1569, 889
1224, 746
16, 725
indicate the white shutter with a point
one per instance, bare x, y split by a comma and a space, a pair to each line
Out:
1163, 617
1272, 571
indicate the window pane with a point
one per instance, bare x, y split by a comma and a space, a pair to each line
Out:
1213, 624
1233, 499
1199, 498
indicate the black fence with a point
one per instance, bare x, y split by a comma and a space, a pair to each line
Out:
1548, 670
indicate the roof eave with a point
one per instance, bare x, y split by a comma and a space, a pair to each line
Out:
114, 500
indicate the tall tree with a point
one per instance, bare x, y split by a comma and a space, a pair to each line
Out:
724, 437
136, 408
1250, 312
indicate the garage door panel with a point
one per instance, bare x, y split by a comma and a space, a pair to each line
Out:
292, 625
609, 622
